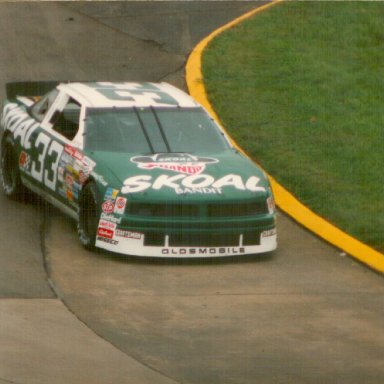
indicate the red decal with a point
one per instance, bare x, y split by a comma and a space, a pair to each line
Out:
175, 162
107, 224
107, 233
69, 180
82, 177
73, 152
23, 159
120, 202
69, 195
108, 206
187, 169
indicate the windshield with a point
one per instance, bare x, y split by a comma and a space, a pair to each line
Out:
149, 130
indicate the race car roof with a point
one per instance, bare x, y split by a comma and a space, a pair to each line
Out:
108, 94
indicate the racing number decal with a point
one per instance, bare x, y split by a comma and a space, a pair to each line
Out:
45, 146
50, 175
41, 145
44, 151
145, 94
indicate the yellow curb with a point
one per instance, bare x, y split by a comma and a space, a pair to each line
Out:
284, 199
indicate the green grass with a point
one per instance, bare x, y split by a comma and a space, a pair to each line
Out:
300, 87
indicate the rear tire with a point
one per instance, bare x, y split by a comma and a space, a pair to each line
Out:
89, 214
11, 181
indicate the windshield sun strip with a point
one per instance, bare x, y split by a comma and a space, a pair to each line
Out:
161, 129
145, 132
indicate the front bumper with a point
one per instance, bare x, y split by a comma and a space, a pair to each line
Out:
193, 239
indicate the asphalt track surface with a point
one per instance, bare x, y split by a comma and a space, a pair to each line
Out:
306, 314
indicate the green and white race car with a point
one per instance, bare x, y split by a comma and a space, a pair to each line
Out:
141, 167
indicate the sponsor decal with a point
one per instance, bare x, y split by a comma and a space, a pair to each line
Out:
202, 251
73, 171
88, 163
73, 152
83, 176
269, 233
70, 169
111, 194
69, 181
69, 195
24, 161
191, 184
111, 218
271, 204
106, 240
60, 174
76, 163
128, 234
120, 205
104, 232
107, 224
201, 191
108, 206
76, 186
176, 162
66, 159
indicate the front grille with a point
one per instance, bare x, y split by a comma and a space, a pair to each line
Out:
244, 209
204, 240
154, 239
251, 238
197, 210
163, 210
201, 239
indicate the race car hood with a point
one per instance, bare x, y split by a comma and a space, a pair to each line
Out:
174, 176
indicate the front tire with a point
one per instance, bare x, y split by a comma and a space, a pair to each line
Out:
11, 181
89, 214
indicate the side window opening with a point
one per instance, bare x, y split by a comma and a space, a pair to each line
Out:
66, 122
41, 107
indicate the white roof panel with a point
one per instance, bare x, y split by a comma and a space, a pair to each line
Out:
108, 94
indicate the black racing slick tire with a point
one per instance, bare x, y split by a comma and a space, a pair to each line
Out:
89, 214
11, 181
